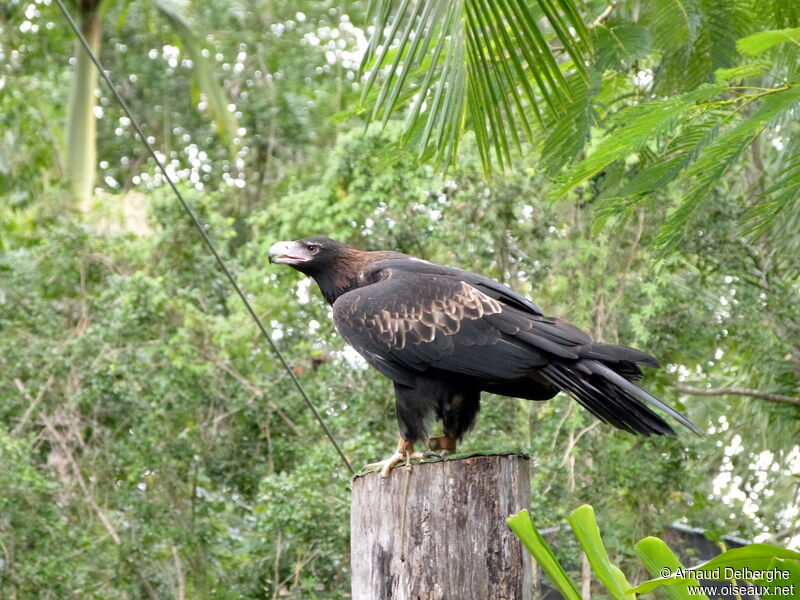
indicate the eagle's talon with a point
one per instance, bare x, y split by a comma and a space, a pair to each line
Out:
404, 453
395, 459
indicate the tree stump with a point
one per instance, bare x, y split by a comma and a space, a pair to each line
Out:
438, 531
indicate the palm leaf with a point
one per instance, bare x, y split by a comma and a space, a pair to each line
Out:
480, 65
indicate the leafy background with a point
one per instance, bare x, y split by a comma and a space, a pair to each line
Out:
636, 170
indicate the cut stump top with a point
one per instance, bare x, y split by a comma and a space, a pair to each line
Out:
437, 530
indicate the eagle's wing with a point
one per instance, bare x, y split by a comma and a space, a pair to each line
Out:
498, 291
491, 288
413, 319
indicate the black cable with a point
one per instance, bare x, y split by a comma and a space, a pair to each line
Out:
202, 231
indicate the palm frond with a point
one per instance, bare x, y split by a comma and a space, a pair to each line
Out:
483, 65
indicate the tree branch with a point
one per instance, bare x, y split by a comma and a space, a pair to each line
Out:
732, 391
786, 533
89, 498
605, 14
32, 403
179, 570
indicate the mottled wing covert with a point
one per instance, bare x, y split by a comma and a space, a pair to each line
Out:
442, 310
408, 322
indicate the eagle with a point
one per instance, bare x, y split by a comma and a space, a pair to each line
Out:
443, 335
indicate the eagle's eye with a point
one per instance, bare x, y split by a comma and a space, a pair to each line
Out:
312, 248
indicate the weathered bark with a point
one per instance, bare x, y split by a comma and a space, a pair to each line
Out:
439, 531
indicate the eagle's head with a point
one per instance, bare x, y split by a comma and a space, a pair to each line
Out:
308, 255
335, 267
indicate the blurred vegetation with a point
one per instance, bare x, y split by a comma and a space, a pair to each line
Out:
151, 447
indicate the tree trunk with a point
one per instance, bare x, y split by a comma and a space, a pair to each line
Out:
438, 531
80, 136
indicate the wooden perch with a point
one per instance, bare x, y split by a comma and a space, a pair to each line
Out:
437, 531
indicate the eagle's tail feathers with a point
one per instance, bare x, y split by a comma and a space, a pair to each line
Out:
601, 369
612, 398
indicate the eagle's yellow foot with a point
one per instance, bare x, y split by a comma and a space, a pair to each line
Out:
443, 444
404, 453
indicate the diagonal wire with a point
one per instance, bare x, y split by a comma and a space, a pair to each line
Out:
203, 233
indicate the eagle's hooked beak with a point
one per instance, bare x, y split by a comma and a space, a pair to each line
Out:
288, 253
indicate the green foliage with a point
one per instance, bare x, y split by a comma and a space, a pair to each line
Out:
764, 40
780, 207
750, 561
522, 526
718, 156
620, 44
636, 126
657, 556
754, 557
672, 128
206, 80
675, 24
693, 156
477, 64
149, 441
80, 131
570, 131
584, 526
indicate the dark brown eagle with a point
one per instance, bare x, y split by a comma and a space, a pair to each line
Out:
444, 335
